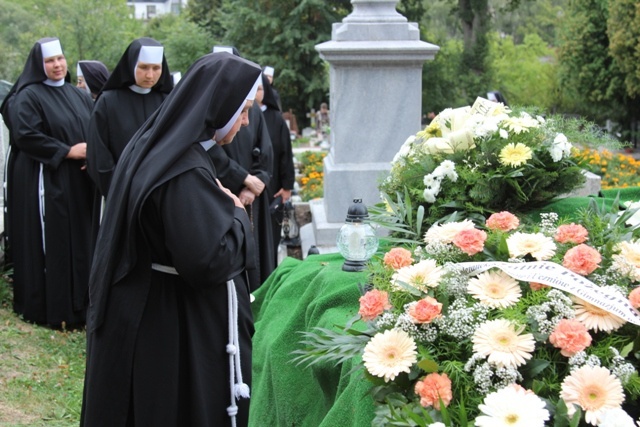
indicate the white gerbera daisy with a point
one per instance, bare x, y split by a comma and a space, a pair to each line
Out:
537, 245
595, 318
446, 232
616, 417
510, 407
502, 344
423, 275
629, 252
389, 353
522, 123
595, 389
495, 289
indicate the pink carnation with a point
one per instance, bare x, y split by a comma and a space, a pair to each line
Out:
397, 258
571, 233
535, 286
634, 297
470, 241
582, 259
502, 221
373, 303
570, 336
433, 388
425, 310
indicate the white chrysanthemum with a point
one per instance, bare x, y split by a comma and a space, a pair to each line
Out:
495, 288
429, 180
504, 134
594, 389
616, 417
561, 141
446, 232
541, 120
429, 195
389, 353
595, 318
502, 344
556, 152
510, 407
438, 424
423, 275
522, 123
537, 245
405, 149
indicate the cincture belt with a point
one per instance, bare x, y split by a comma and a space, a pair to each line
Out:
164, 269
238, 388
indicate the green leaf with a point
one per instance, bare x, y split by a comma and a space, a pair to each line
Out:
428, 365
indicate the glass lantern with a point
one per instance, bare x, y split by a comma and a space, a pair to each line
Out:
356, 241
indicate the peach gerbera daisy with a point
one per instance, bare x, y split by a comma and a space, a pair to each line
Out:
502, 343
446, 232
595, 318
537, 245
389, 353
495, 289
594, 389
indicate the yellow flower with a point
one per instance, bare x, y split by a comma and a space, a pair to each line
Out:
515, 154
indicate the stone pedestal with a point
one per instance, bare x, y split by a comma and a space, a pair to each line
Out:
375, 59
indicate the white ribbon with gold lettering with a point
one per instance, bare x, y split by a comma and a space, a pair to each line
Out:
556, 276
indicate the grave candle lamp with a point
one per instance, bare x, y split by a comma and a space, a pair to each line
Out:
356, 240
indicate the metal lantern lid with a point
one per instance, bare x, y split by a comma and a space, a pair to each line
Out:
357, 212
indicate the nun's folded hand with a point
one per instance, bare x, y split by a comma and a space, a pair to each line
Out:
236, 200
246, 196
78, 151
254, 184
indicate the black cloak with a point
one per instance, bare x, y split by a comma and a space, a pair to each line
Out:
95, 75
156, 341
283, 176
119, 112
49, 207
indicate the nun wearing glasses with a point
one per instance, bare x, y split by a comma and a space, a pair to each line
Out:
49, 192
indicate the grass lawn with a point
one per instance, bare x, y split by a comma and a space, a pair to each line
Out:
41, 371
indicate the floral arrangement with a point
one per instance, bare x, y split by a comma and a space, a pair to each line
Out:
311, 174
617, 170
503, 323
484, 158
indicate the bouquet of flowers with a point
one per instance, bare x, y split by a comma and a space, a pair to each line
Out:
484, 158
501, 324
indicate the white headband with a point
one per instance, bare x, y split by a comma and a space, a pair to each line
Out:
51, 48
222, 132
217, 49
268, 71
151, 54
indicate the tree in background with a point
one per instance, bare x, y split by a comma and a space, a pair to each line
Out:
588, 72
525, 73
283, 34
87, 29
183, 40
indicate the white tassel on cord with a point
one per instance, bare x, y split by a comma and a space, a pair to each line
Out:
237, 387
41, 205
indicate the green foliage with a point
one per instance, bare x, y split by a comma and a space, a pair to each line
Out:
184, 41
623, 29
525, 73
283, 34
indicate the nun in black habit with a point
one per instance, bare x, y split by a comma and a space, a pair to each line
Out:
91, 75
283, 176
134, 90
169, 322
49, 205
245, 167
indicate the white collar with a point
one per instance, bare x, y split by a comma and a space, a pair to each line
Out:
54, 83
140, 90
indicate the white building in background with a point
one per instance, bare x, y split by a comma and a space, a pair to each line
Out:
148, 9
